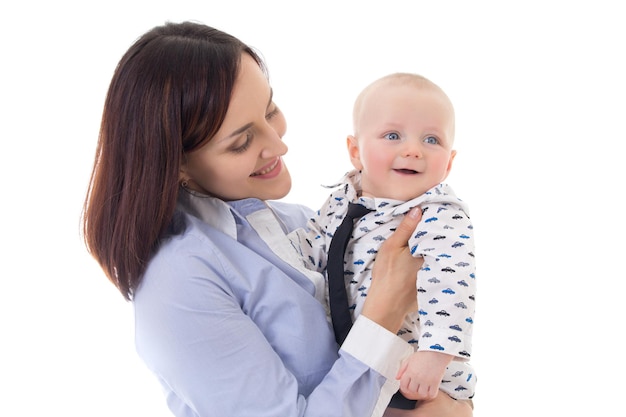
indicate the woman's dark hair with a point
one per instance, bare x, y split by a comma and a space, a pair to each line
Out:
168, 96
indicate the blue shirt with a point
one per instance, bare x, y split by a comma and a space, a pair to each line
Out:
231, 329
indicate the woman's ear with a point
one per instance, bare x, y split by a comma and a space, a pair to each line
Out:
182, 172
353, 151
183, 175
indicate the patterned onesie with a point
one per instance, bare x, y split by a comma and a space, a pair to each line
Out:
445, 285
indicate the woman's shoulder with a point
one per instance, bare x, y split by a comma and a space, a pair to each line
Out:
196, 256
190, 248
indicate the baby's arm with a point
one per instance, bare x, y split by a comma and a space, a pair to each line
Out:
310, 245
446, 283
312, 242
421, 374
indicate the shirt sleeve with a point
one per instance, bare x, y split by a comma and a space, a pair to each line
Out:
366, 341
312, 242
447, 282
215, 356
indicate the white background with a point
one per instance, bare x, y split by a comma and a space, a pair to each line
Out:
540, 94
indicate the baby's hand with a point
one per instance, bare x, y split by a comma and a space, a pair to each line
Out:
421, 374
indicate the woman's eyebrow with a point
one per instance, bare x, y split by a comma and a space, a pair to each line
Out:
238, 131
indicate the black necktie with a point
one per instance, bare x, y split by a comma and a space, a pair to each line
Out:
338, 296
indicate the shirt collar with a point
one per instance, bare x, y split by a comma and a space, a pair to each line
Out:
211, 210
351, 182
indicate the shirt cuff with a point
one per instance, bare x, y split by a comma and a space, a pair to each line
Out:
382, 351
376, 347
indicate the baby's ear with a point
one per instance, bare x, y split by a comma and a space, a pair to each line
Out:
452, 155
353, 151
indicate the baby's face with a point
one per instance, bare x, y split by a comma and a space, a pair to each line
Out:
403, 140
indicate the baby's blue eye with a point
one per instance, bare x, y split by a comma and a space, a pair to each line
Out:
392, 136
431, 139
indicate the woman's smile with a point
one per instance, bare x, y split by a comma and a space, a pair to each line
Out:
270, 170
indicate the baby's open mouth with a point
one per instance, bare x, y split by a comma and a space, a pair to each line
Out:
406, 171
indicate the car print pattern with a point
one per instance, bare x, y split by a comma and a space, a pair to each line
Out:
446, 283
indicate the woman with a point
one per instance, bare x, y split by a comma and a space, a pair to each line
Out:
179, 216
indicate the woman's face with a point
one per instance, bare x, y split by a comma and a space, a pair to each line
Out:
243, 159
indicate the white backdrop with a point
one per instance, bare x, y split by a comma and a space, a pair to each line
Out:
540, 98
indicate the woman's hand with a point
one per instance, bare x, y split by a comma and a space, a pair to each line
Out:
393, 293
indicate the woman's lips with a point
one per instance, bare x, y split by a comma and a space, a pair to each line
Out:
269, 170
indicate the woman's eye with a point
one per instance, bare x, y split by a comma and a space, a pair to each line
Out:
273, 113
392, 136
431, 140
244, 147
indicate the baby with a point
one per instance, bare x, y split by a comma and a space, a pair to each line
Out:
401, 150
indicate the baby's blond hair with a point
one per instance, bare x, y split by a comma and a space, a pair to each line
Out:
397, 78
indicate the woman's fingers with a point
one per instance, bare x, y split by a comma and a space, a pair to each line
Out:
393, 293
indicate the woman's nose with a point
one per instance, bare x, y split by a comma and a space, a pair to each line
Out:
273, 145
